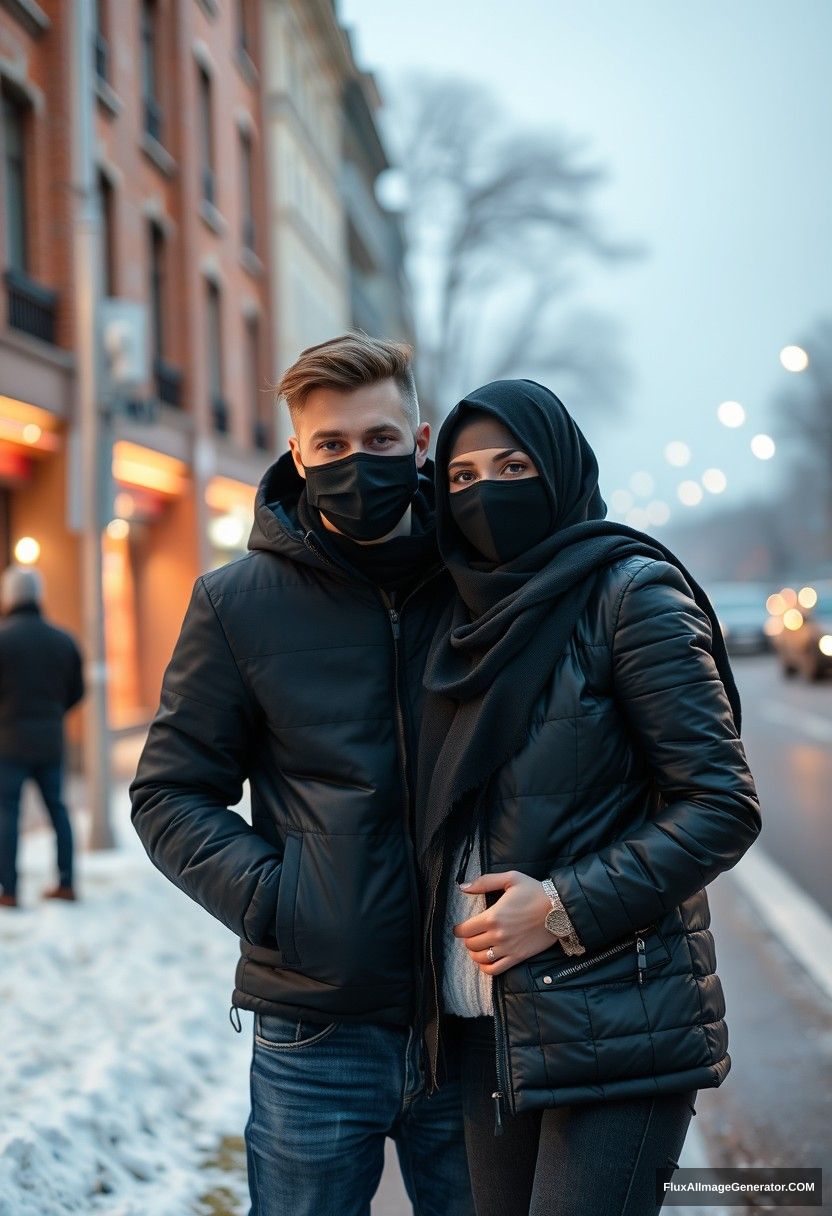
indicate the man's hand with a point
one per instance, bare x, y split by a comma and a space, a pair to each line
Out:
513, 926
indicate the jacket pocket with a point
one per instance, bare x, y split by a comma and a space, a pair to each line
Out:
287, 892
632, 957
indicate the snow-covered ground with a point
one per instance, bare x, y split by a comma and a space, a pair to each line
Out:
119, 1069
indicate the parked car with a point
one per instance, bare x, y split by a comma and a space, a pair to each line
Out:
741, 609
800, 626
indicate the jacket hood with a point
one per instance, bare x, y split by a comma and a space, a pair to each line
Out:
276, 527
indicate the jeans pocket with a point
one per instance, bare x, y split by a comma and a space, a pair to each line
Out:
277, 1032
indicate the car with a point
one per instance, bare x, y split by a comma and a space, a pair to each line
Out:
741, 610
800, 626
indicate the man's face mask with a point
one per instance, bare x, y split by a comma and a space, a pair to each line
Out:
503, 518
364, 495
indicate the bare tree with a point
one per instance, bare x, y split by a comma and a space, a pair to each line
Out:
805, 425
497, 219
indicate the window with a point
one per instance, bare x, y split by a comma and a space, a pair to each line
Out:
100, 48
206, 136
245, 33
260, 432
247, 188
149, 66
157, 290
14, 150
106, 196
214, 339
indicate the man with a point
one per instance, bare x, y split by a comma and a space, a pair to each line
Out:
299, 666
40, 679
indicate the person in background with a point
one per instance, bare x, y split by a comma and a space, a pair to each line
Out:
41, 677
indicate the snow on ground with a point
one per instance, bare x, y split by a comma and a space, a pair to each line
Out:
120, 1072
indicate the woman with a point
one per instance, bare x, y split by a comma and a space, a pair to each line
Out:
580, 726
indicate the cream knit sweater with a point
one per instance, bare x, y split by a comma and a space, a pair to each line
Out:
466, 990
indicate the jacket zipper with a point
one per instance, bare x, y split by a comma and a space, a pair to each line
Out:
394, 616
641, 957
503, 1090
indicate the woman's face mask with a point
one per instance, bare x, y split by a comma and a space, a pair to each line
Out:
503, 518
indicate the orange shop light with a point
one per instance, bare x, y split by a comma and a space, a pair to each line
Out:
134, 465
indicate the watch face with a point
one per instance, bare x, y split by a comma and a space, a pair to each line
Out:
554, 922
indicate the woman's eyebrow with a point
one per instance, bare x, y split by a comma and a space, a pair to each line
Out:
496, 456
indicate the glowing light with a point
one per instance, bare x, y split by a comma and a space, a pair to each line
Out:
792, 618
118, 529
27, 550
31, 432
637, 518
227, 531
677, 453
731, 413
621, 501
658, 512
125, 504
763, 447
794, 358
714, 481
776, 604
773, 626
825, 644
690, 493
807, 597
642, 484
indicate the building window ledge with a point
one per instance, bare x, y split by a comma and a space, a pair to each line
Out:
30, 15
212, 217
160, 156
246, 66
108, 98
250, 262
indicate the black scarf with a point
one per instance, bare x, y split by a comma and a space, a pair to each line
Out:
498, 642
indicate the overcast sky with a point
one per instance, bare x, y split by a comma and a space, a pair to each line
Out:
715, 120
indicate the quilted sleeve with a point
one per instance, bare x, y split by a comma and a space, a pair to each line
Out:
668, 688
192, 769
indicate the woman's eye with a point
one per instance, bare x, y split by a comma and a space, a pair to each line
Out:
515, 466
463, 476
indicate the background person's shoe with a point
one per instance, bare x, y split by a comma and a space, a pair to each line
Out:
60, 893
9, 901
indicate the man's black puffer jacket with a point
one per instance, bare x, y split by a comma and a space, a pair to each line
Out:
632, 793
293, 672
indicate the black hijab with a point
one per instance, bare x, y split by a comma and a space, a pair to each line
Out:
499, 640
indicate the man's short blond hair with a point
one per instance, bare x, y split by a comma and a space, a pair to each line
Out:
347, 362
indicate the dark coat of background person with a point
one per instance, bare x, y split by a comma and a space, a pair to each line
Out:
294, 673
41, 677
632, 792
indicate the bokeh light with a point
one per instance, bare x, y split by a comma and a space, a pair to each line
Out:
690, 493
794, 358
27, 550
731, 413
714, 481
677, 453
763, 447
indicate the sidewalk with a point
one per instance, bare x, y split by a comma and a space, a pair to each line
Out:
158, 1128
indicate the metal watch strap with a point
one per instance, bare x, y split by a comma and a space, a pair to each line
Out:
558, 922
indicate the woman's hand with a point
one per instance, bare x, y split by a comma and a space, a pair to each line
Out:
513, 926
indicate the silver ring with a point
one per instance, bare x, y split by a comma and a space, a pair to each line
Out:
491, 954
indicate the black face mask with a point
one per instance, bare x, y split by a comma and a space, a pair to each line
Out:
503, 518
364, 495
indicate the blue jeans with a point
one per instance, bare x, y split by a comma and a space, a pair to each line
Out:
324, 1097
48, 778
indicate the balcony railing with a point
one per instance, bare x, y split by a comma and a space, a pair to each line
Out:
32, 308
168, 383
219, 413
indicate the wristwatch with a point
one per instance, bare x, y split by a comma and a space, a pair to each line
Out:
557, 921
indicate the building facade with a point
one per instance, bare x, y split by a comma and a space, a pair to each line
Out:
235, 155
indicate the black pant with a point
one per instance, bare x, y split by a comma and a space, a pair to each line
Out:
593, 1159
48, 777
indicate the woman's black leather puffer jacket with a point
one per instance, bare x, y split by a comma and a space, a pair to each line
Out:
632, 793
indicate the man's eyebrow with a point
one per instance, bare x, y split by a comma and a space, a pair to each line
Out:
378, 429
496, 456
327, 435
